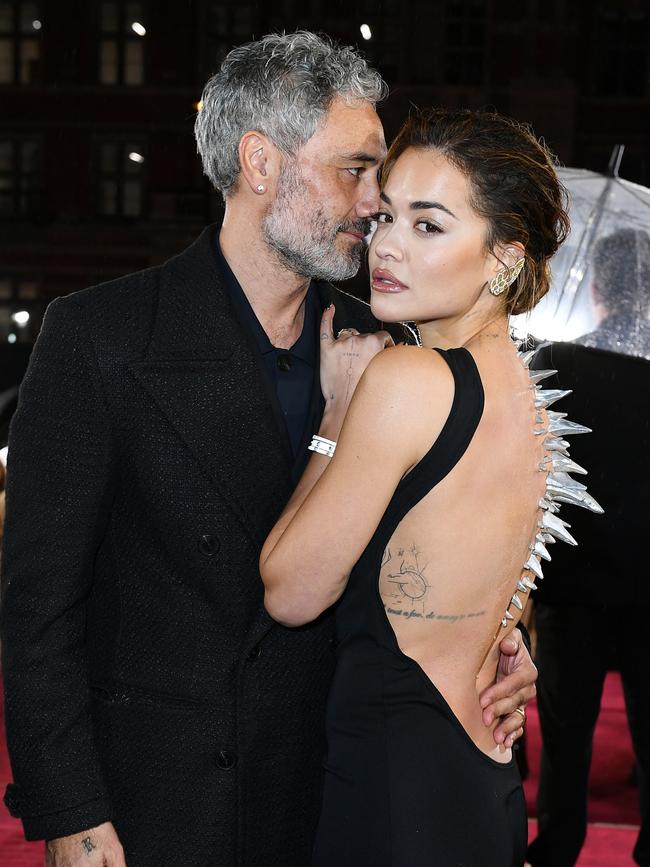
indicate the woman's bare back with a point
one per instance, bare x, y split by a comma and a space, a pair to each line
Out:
451, 568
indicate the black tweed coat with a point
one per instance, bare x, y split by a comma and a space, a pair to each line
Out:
144, 682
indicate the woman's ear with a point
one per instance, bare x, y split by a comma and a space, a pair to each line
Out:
505, 256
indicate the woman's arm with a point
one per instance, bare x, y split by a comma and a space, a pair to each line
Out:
397, 411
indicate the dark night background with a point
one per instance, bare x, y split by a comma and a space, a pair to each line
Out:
81, 90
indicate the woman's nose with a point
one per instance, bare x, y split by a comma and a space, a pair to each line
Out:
386, 244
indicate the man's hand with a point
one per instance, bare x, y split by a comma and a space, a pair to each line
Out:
514, 687
97, 847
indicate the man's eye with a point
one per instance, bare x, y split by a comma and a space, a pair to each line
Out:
427, 227
355, 172
382, 217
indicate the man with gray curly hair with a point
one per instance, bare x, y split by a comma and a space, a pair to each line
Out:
156, 715
277, 98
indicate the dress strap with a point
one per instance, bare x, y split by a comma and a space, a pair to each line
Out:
454, 439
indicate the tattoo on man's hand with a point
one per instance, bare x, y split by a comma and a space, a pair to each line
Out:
88, 845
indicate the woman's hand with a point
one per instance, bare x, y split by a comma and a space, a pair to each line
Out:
343, 359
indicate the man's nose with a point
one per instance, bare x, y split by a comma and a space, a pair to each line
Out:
368, 203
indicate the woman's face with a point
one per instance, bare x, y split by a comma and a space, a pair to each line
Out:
427, 256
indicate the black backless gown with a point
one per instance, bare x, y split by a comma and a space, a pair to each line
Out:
405, 785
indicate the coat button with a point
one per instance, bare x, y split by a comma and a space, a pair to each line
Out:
209, 545
225, 759
255, 652
284, 362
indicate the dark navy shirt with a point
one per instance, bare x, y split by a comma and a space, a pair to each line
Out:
292, 371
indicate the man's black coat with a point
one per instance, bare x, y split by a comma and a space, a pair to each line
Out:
144, 682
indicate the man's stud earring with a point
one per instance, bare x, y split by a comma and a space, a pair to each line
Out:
260, 188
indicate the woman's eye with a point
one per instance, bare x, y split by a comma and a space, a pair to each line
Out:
382, 217
427, 227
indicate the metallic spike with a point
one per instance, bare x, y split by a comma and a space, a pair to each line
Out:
538, 418
556, 444
548, 396
533, 564
578, 498
538, 375
564, 427
566, 465
529, 584
540, 549
509, 616
504, 623
558, 521
557, 527
552, 414
548, 539
539, 538
522, 587
516, 601
544, 503
563, 480
527, 357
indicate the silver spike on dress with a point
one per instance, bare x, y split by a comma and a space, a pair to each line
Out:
538, 375
544, 397
560, 486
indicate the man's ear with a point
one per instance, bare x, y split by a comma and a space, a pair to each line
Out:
259, 162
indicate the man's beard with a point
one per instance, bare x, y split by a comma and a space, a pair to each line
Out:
297, 229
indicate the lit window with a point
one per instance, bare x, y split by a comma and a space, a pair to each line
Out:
121, 179
121, 43
20, 177
20, 41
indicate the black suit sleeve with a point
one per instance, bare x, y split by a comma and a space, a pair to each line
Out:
58, 499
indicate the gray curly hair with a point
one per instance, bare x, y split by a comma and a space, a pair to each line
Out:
280, 85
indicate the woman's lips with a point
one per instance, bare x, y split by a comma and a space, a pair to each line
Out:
384, 281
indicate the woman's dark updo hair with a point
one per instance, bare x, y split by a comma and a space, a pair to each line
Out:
513, 181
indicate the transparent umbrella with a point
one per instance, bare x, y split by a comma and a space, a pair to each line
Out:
600, 294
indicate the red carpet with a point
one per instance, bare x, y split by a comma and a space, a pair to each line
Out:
606, 845
611, 797
613, 801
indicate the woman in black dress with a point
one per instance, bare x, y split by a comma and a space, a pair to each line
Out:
431, 517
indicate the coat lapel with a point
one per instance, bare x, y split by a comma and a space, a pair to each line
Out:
202, 372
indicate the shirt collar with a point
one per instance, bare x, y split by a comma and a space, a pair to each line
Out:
306, 345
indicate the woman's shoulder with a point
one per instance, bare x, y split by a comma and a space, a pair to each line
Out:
411, 368
416, 382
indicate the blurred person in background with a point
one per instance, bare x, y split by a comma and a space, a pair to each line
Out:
594, 606
156, 715
620, 292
